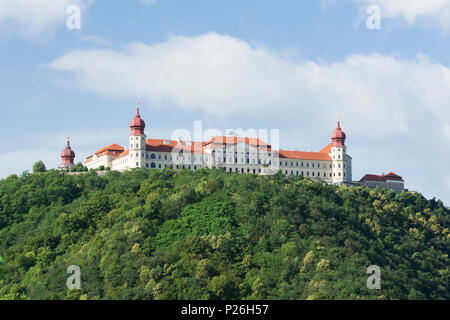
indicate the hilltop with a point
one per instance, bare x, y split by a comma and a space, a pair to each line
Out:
208, 234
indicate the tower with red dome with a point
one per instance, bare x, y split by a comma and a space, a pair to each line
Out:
67, 157
137, 142
341, 161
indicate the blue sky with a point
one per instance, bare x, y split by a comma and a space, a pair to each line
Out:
288, 65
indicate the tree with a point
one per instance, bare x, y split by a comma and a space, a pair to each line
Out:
1, 267
209, 234
39, 166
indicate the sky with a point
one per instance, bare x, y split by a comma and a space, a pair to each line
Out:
383, 65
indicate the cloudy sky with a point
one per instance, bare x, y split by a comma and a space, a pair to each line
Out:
254, 64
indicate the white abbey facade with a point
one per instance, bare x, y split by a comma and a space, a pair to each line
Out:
332, 164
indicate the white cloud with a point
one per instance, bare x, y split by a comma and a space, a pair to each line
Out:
388, 104
34, 17
431, 11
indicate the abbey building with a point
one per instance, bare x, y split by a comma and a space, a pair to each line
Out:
332, 164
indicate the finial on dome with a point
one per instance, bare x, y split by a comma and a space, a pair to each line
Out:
338, 120
137, 108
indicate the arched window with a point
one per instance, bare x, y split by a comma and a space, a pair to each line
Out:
152, 156
153, 165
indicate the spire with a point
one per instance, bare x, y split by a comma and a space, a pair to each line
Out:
338, 137
67, 156
137, 125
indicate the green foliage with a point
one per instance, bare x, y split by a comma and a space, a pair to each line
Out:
1, 267
39, 166
214, 215
165, 234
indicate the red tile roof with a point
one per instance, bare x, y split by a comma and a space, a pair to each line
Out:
123, 154
379, 177
304, 155
112, 149
235, 140
327, 149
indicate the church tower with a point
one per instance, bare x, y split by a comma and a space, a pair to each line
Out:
67, 157
137, 142
341, 162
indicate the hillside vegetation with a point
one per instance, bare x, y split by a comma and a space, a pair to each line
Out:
149, 234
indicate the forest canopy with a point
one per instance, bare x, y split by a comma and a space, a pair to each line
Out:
208, 234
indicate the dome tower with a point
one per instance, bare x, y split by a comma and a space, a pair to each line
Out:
67, 157
341, 162
137, 141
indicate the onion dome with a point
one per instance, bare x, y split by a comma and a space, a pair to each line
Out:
67, 155
338, 136
137, 125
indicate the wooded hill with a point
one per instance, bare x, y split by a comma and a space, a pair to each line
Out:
208, 234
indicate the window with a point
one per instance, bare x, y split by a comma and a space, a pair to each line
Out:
153, 165
152, 156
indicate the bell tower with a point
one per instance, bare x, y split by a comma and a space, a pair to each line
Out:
341, 162
137, 141
67, 157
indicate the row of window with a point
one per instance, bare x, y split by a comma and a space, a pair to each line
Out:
154, 165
